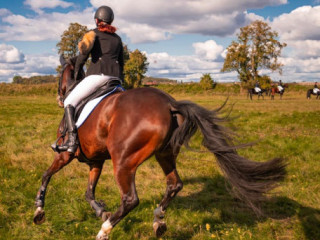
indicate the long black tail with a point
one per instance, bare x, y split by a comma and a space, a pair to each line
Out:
250, 180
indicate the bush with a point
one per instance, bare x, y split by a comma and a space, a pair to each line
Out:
13, 89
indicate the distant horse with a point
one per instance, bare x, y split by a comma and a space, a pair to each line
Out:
128, 127
274, 90
310, 92
252, 91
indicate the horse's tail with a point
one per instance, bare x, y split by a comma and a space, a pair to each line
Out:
249, 180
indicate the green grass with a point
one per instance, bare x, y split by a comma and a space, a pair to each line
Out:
204, 209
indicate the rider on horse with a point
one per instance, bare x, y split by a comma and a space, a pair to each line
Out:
106, 50
280, 86
257, 87
315, 88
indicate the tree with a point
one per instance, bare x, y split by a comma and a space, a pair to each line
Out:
257, 48
68, 45
265, 81
126, 53
206, 81
135, 68
17, 79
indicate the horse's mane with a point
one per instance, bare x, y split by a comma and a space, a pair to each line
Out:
72, 61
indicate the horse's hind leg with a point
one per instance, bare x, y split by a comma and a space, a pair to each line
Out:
59, 162
95, 172
167, 161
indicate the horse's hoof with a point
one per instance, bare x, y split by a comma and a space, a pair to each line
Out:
39, 216
105, 215
159, 228
102, 236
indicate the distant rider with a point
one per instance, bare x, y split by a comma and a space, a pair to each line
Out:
280, 86
257, 87
315, 88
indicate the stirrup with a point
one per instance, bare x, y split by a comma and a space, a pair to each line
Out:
73, 148
64, 148
55, 146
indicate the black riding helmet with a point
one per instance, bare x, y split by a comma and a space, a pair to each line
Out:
104, 14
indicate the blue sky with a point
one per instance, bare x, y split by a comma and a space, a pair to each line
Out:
182, 39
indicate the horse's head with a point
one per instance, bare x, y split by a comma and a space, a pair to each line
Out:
66, 80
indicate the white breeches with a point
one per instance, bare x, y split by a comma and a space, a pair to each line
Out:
257, 89
280, 88
86, 87
316, 90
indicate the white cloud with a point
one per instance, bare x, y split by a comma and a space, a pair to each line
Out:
219, 18
209, 50
305, 48
4, 12
14, 62
302, 23
299, 30
141, 21
143, 33
186, 68
37, 5
162, 9
9, 54
43, 26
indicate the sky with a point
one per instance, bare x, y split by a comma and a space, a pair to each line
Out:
182, 39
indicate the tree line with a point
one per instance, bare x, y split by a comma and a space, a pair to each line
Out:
35, 79
257, 48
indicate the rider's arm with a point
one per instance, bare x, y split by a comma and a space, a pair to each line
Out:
121, 61
81, 60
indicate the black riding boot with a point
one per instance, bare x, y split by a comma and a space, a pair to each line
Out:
71, 144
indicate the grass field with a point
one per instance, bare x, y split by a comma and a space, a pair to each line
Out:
204, 209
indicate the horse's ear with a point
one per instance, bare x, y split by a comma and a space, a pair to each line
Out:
62, 60
72, 61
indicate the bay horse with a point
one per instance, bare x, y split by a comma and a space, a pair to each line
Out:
274, 90
310, 92
129, 127
252, 91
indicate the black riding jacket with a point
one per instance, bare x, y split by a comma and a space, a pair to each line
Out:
106, 56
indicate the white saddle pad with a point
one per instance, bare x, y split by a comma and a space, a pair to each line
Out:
90, 106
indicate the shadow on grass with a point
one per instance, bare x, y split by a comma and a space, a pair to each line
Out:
215, 196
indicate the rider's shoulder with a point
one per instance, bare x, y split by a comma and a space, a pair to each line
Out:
86, 44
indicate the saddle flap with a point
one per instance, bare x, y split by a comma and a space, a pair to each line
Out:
86, 106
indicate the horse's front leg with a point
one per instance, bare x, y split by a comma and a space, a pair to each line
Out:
59, 162
94, 175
